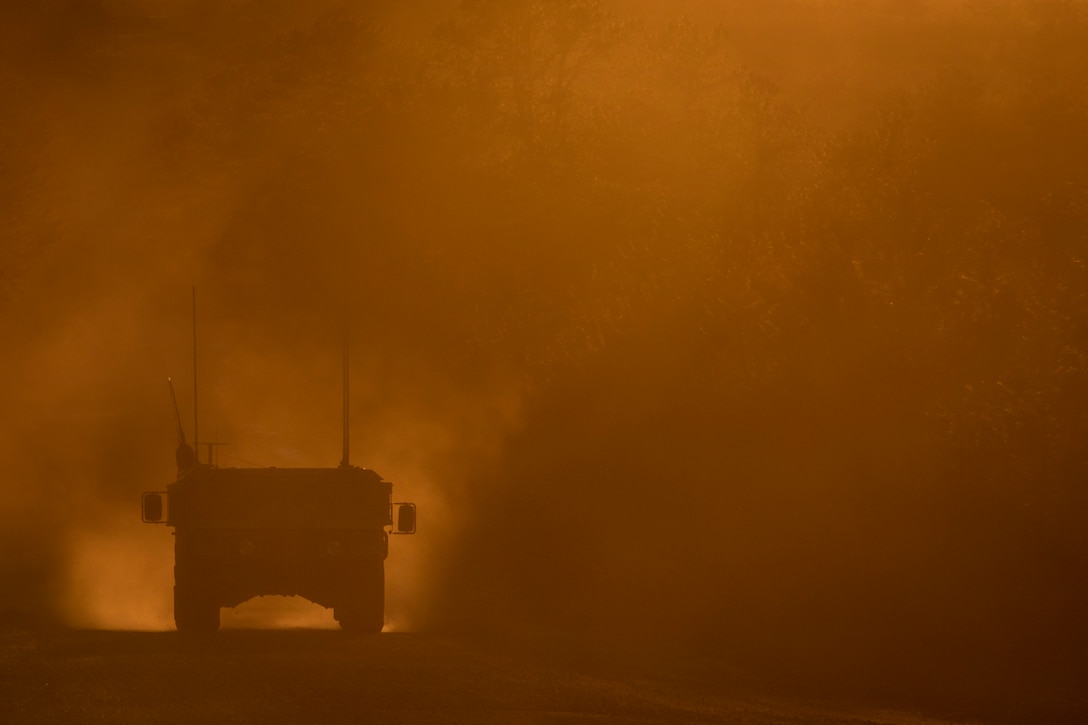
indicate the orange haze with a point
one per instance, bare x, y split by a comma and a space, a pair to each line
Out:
758, 327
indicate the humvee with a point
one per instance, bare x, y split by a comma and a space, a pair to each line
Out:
239, 533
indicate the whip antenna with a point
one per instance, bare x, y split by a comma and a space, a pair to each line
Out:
196, 437
345, 461
185, 454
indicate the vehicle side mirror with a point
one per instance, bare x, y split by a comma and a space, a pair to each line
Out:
406, 518
152, 508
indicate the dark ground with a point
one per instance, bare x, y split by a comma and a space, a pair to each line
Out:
50, 675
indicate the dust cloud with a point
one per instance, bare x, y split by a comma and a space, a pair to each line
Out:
751, 327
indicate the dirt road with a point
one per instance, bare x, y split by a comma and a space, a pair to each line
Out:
300, 676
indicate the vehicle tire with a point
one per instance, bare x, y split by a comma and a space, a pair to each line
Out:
362, 608
194, 611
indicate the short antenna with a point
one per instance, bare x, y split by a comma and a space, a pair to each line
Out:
196, 437
345, 461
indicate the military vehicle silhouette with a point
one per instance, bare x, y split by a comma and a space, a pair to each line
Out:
318, 533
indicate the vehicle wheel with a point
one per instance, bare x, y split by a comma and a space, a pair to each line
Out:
362, 609
195, 612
